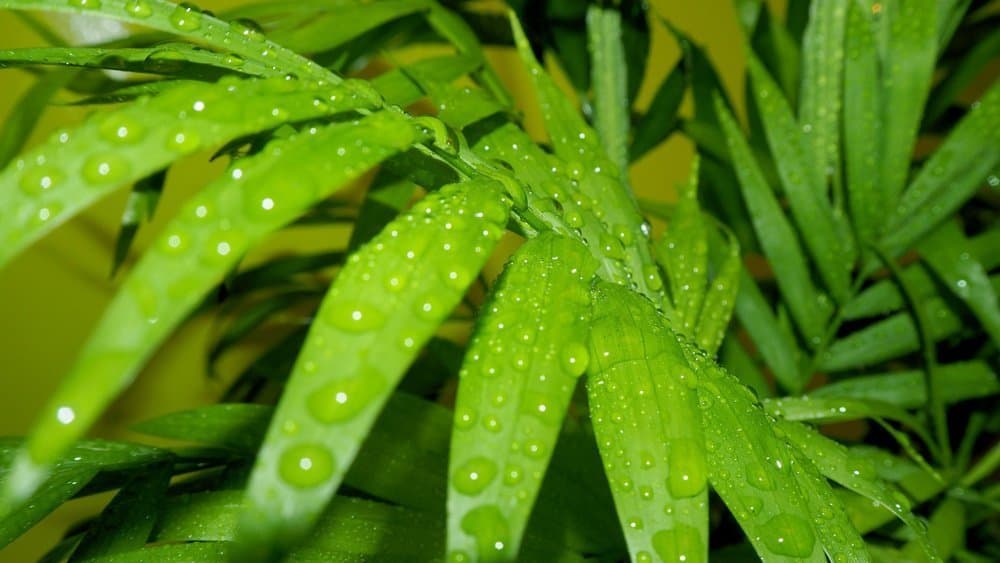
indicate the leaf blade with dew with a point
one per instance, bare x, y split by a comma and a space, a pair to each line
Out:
808, 306
889, 338
722, 294
683, 254
594, 174
193, 253
139, 208
822, 88
326, 30
661, 118
296, 473
949, 254
828, 410
516, 383
776, 346
642, 405
51, 183
906, 389
749, 466
127, 521
188, 21
24, 115
863, 111
609, 81
950, 176
961, 76
179, 60
837, 464
456, 31
398, 88
819, 224
908, 65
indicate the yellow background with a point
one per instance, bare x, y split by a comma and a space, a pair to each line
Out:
52, 295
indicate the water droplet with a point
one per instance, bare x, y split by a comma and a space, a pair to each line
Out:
757, 477
345, 397
491, 530
183, 140
623, 233
185, 17
651, 274
680, 543
465, 418
787, 534
65, 415
40, 179
643, 557
753, 504
306, 465
573, 218
138, 8
224, 246
121, 129
534, 448
457, 278
473, 476
575, 359
687, 473
431, 308
513, 475
246, 28
353, 317
85, 4
174, 243
105, 168
492, 423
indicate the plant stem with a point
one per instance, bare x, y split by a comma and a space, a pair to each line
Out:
984, 468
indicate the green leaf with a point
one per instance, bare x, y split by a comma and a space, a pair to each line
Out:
858, 475
644, 410
889, 338
750, 467
26, 112
945, 533
867, 198
947, 251
126, 523
683, 254
168, 59
822, 91
961, 75
139, 209
907, 68
776, 345
966, 158
194, 252
333, 27
398, 88
516, 383
386, 197
53, 182
661, 118
203, 552
187, 21
779, 52
822, 227
959, 381
454, 29
829, 410
808, 306
385, 304
232, 426
609, 81
722, 295
735, 358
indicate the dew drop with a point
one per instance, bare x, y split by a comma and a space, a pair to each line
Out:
513, 475
575, 359
490, 528
183, 140
40, 179
687, 473
138, 8
121, 130
224, 246
757, 477
465, 418
85, 4
353, 317
431, 308
345, 397
473, 476
105, 168
306, 465
680, 543
174, 243
787, 534
185, 17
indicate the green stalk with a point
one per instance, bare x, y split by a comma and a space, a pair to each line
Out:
610, 81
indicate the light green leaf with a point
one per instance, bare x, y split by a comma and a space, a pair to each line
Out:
643, 410
945, 532
863, 113
398, 88
775, 345
821, 226
203, 552
609, 81
335, 26
822, 90
661, 118
962, 73
454, 29
25, 113
385, 304
947, 251
53, 182
907, 68
889, 338
516, 383
187, 21
387, 195
858, 475
808, 306
750, 467
735, 358
683, 254
958, 168
194, 252
958, 381
722, 295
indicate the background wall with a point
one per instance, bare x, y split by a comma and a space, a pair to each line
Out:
52, 295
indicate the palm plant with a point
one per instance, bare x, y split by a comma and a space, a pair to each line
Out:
365, 434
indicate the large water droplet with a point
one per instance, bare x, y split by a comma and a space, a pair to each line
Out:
345, 397
473, 476
787, 534
757, 476
575, 359
185, 17
306, 465
138, 9
183, 140
39, 179
353, 317
687, 473
121, 130
680, 543
105, 168
491, 530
